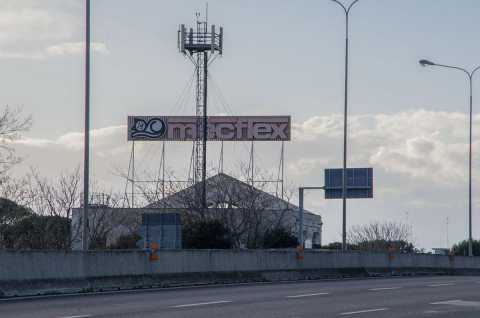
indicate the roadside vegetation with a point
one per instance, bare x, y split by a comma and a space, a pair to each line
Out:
461, 248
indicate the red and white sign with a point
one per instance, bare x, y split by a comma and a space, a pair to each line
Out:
227, 128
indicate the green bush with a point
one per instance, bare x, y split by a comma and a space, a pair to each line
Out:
279, 238
37, 232
461, 248
125, 242
11, 213
204, 234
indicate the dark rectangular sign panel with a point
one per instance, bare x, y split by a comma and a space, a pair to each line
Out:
359, 183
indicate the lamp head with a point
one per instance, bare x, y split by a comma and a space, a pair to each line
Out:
426, 63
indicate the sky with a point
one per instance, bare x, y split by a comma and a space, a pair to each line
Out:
280, 58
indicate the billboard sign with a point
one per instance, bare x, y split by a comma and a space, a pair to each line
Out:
359, 183
226, 128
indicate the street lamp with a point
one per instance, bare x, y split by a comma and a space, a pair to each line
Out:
470, 78
346, 9
86, 153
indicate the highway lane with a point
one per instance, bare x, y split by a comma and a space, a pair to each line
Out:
395, 297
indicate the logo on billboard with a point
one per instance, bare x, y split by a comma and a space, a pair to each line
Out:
152, 128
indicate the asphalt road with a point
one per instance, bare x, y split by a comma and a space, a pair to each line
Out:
396, 297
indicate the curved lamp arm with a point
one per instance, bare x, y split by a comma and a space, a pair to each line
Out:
455, 68
346, 9
474, 70
430, 63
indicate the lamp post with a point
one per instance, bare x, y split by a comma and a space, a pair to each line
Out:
86, 157
470, 78
346, 9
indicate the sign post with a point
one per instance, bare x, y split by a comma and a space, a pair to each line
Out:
359, 185
301, 240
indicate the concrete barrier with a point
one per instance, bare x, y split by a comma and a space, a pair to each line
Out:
43, 272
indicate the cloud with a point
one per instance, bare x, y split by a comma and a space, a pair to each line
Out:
421, 144
36, 143
42, 29
305, 166
104, 139
75, 48
325, 126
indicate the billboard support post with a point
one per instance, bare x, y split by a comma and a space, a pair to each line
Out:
204, 127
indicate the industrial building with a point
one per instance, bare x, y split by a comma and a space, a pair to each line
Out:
242, 207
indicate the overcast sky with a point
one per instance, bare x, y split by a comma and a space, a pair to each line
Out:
280, 58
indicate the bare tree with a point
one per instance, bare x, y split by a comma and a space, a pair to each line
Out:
55, 197
378, 236
17, 189
50, 200
12, 124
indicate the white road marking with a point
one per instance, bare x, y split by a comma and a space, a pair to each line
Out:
444, 302
362, 311
458, 302
440, 285
384, 288
307, 295
203, 304
80, 316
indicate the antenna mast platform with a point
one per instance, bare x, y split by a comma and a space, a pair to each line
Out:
201, 45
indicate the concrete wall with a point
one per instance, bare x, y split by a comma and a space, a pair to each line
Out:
23, 265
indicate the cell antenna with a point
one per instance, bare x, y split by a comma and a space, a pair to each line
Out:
201, 45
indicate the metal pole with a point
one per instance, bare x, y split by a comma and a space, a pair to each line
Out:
204, 163
163, 172
86, 130
345, 122
470, 243
253, 165
133, 173
470, 79
283, 167
221, 158
345, 127
300, 217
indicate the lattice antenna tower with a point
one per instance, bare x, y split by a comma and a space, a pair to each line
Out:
202, 45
